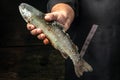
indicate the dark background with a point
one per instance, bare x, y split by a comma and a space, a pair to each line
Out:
13, 27
23, 56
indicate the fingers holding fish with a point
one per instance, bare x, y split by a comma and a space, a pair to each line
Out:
30, 26
41, 36
33, 29
50, 17
38, 32
44, 38
59, 16
46, 41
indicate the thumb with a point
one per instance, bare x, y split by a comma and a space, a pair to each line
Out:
50, 17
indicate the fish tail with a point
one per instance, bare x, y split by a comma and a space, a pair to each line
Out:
82, 66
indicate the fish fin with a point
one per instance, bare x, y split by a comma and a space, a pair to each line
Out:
64, 55
75, 47
64, 30
66, 34
55, 23
82, 66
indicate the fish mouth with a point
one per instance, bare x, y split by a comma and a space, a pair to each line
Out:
21, 8
25, 12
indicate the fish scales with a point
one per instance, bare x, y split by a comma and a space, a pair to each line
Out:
60, 40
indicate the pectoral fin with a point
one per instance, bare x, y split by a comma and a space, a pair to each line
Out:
64, 55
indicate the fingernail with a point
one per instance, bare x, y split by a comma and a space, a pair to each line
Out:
29, 27
47, 17
46, 41
42, 36
39, 30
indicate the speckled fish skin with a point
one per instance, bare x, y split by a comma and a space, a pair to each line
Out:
59, 39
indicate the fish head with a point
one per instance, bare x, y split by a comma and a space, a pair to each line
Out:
27, 11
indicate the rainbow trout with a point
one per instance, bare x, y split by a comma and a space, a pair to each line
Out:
59, 39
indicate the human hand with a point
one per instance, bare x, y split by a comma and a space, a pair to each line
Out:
61, 15
38, 32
